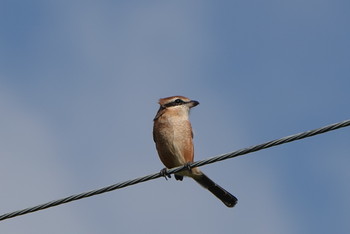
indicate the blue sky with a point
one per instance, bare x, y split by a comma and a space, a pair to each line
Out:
79, 84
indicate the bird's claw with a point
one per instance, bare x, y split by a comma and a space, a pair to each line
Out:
164, 173
187, 166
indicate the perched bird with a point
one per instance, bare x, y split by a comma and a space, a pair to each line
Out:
173, 136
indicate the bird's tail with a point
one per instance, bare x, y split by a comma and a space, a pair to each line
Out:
227, 198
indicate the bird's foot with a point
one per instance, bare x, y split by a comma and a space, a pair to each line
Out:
164, 173
187, 166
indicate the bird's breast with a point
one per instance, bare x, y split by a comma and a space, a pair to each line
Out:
173, 138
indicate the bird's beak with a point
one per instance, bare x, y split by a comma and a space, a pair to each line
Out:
193, 103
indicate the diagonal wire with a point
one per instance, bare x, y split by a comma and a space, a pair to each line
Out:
233, 154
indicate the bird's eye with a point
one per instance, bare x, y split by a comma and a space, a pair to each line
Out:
178, 101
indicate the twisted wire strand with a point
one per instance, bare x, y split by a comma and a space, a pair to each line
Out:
233, 154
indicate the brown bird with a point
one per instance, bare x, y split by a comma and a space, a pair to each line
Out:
172, 133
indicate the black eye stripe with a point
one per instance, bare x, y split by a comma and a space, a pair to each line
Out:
177, 102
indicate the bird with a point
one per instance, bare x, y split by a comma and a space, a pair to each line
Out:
173, 137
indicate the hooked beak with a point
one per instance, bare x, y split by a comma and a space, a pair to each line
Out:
193, 103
